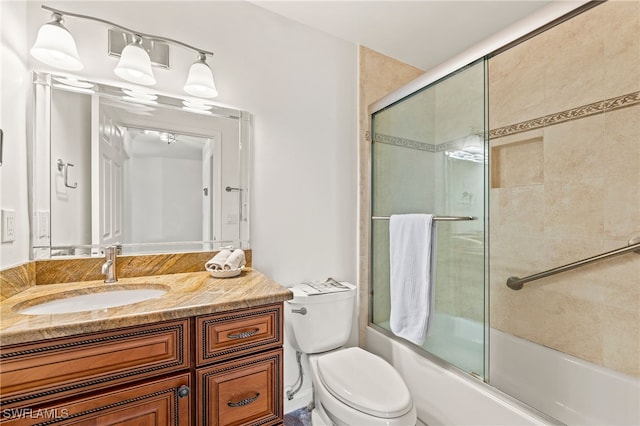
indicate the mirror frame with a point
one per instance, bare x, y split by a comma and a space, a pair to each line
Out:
39, 171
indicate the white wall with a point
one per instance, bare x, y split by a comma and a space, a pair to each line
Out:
14, 91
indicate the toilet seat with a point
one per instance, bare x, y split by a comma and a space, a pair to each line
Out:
365, 382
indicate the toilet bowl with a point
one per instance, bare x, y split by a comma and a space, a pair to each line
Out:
355, 387
350, 385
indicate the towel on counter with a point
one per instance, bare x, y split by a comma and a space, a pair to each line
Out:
216, 263
235, 261
412, 250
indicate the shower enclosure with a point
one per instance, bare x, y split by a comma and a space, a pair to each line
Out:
429, 155
538, 143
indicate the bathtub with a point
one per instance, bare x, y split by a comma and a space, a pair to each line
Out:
558, 388
572, 390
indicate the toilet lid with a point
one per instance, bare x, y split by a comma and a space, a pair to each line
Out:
365, 382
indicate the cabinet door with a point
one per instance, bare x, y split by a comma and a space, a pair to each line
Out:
158, 403
241, 392
50, 370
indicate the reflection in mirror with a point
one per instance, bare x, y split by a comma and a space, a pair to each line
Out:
152, 173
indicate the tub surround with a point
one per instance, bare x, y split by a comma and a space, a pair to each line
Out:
563, 114
189, 294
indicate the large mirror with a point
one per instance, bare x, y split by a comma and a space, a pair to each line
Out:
123, 166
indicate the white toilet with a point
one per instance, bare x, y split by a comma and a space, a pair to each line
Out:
351, 386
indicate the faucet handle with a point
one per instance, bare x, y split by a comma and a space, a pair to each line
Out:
105, 266
109, 266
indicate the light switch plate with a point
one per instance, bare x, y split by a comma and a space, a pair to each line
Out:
41, 227
8, 225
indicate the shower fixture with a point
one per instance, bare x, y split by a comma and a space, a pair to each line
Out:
56, 47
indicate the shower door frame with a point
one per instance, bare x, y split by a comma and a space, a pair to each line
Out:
535, 24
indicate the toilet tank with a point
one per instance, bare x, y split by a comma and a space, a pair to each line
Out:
319, 322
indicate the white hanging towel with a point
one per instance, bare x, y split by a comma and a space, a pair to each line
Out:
412, 249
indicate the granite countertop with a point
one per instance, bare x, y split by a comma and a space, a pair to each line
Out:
188, 294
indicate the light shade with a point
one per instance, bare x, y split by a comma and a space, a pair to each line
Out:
55, 46
200, 80
135, 65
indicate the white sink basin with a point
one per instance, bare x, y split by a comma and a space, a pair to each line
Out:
102, 298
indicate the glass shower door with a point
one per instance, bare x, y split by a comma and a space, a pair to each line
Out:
429, 156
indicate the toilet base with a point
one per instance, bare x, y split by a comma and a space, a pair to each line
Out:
318, 418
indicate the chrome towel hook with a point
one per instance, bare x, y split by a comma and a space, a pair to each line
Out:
64, 168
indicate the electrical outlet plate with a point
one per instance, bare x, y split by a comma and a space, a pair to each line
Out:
8, 218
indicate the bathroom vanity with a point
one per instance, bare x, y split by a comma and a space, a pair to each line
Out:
208, 352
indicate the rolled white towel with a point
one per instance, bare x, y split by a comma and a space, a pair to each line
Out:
235, 261
216, 263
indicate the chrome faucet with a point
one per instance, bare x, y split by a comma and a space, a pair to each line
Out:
109, 266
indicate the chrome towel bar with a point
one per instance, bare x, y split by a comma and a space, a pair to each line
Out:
516, 283
441, 218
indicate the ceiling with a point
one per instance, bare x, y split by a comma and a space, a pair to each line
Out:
422, 33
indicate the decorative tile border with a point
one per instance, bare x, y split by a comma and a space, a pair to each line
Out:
599, 107
422, 146
568, 115
404, 143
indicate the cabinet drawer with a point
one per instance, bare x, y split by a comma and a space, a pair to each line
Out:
41, 371
227, 335
245, 391
165, 402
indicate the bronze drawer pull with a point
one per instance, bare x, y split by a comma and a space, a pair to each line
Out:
244, 402
244, 334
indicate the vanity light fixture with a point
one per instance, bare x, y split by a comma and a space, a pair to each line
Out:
200, 80
193, 105
74, 82
135, 64
55, 46
147, 96
73, 85
139, 100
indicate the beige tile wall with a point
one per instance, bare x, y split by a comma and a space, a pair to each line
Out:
567, 191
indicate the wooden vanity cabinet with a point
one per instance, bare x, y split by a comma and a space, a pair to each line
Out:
218, 369
239, 374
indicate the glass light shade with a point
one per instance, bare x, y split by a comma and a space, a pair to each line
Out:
55, 46
200, 81
135, 65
